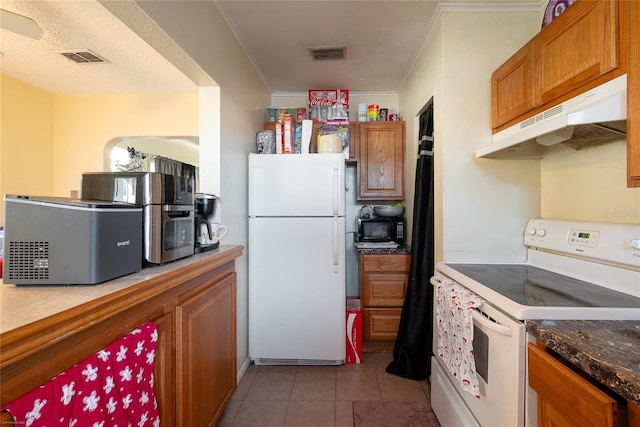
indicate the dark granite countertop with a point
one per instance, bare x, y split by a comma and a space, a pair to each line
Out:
607, 350
400, 250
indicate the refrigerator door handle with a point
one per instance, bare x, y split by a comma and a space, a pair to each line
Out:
336, 262
336, 189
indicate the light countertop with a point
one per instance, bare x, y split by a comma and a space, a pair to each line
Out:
22, 305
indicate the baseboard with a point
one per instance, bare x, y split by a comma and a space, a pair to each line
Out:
243, 369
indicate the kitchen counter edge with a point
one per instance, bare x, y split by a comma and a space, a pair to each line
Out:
606, 350
400, 250
22, 306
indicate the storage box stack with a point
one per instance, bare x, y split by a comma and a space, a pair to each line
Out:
331, 108
285, 129
328, 104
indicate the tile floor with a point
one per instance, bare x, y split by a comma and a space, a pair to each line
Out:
278, 396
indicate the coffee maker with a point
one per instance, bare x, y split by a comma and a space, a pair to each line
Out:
205, 206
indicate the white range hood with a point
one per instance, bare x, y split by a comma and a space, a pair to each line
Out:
595, 117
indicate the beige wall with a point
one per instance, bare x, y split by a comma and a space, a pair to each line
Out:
481, 206
26, 140
590, 185
84, 124
72, 131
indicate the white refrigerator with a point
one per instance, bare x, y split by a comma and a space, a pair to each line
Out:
296, 255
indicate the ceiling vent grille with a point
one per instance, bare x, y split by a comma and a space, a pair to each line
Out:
324, 53
83, 56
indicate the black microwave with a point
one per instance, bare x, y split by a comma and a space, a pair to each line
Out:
381, 229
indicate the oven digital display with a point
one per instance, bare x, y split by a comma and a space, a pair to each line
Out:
584, 238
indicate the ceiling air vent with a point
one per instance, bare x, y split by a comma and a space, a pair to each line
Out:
322, 53
83, 56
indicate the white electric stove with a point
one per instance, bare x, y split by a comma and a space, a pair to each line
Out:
574, 270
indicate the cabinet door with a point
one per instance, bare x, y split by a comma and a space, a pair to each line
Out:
381, 324
384, 290
579, 46
164, 373
514, 86
565, 398
397, 263
206, 361
381, 161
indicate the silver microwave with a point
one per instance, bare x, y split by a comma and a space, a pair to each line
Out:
381, 230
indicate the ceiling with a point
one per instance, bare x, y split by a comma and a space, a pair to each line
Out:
382, 39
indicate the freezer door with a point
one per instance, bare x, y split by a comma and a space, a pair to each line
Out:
296, 185
297, 290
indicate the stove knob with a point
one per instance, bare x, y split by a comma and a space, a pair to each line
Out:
532, 231
541, 232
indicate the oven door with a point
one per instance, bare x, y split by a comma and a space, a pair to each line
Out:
168, 232
499, 350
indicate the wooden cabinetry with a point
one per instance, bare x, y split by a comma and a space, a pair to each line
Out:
383, 283
381, 161
564, 397
205, 349
583, 47
193, 305
513, 87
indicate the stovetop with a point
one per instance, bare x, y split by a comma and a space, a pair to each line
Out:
574, 270
533, 286
527, 292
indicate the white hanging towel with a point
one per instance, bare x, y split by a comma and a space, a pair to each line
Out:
454, 305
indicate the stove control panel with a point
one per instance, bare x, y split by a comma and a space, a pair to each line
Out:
598, 241
588, 238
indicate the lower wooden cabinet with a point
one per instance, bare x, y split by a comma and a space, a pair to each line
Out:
564, 397
165, 372
383, 284
193, 306
205, 352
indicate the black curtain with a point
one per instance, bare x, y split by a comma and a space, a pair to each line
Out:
412, 350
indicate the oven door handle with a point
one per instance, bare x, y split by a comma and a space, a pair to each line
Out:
490, 323
480, 318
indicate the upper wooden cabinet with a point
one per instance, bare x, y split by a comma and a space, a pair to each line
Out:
580, 49
381, 161
513, 87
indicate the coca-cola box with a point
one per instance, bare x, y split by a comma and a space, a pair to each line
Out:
354, 330
328, 104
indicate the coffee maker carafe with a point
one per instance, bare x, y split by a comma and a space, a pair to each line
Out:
205, 207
